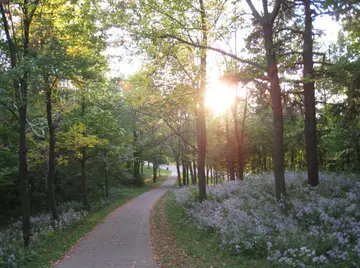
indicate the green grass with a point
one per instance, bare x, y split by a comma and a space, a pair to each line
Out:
148, 172
200, 245
53, 245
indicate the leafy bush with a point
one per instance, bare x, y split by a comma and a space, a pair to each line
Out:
126, 178
320, 229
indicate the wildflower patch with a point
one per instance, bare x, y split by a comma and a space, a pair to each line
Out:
321, 227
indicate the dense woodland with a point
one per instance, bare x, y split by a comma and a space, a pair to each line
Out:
71, 128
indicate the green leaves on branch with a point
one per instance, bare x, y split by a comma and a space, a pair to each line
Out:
76, 140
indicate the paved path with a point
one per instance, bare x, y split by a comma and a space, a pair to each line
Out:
122, 240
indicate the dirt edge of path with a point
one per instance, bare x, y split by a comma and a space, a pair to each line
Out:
166, 252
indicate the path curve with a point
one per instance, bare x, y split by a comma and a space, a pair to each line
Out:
122, 240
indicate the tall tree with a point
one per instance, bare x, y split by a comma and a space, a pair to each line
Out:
230, 151
20, 54
201, 128
309, 98
267, 24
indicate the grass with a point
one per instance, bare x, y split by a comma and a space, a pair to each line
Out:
55, 244
148, 172
202, 246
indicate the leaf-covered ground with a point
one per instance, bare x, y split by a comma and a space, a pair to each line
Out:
166, 253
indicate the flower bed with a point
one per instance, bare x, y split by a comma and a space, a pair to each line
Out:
321, 227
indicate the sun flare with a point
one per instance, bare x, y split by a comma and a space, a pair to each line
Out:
219, 97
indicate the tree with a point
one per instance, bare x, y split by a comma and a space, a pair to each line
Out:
309, 97
266, 22
19, 55
78, 141
201, 127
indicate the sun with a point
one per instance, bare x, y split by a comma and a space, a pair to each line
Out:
219, 97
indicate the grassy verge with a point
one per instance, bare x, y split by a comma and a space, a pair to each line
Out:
201, 246
55, 244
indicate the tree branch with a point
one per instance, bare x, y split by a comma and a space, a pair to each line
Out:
266, 11
217, 50
8, 37
33, 10
9, 109
275, 11
170, 126
39, 136
296, 31
255, 13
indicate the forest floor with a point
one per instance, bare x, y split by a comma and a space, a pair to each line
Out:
122, 239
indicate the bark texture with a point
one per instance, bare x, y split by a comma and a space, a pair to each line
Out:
52, 156
201, 112
309, 98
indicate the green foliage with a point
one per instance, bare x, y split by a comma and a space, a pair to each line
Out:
76, 140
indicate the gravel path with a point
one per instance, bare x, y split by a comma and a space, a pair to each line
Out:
122, 240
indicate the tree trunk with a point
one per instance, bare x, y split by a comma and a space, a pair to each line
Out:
230, 156
187, 175
278, 129
84, 179
57, 189
106, 183
195, 171
178, 172
23, 166
154, 172
52, 156
184, 172
21, 94
207, 175
241, 140
83, 160
201, 113
137, 178
142, 168
240, 169
193, 181
23, 176
309, 97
